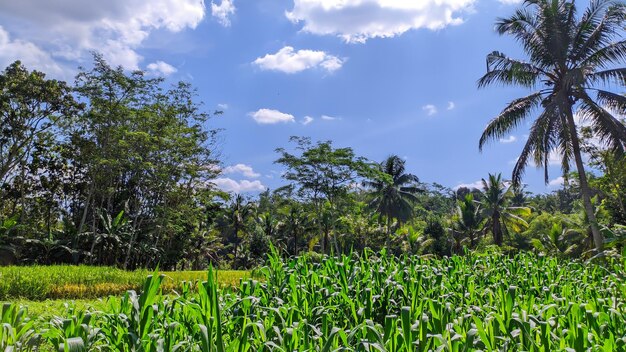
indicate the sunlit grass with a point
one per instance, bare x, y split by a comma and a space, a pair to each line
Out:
80, 282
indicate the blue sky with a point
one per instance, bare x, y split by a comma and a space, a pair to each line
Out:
381, 76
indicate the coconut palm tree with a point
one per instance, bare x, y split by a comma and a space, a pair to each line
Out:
496, 208
466, 222
570, 58
393, 194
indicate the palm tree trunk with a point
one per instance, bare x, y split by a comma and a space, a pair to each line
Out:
598, 239
497, 230
388, 239
295, 242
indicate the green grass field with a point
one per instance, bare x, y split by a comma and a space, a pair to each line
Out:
368, 303
38, 283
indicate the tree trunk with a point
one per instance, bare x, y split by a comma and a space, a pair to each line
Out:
497, 230
83, 218
388, 239
598, 239
295, 242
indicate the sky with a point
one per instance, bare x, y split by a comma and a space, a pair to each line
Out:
380, 76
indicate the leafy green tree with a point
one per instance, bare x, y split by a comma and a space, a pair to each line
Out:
236, 220
560, 240
143, 149
30, 106
323, 175
466, 223
394, 194
612, 182
294, 224
436, 230
571, 57
496, 209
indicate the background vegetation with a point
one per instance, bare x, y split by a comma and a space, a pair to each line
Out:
115, 169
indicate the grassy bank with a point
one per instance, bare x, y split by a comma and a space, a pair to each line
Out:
39, 283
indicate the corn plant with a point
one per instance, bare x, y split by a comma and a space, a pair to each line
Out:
368, 302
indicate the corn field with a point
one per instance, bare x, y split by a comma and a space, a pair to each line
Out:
356, 303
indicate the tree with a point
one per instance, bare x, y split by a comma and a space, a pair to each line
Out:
236, 218
497, 210
323, 175
467, 221
144, 149
393, 194
572, 58
612, 182
30, 106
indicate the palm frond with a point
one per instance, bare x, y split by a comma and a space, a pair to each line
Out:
535, 147
511, 117
610, 130
616, 75
612, 54
508, 71
595, 29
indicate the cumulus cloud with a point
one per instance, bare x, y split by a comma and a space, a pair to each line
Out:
430, 109
67, 30
307, 120
223, 11
509, 139
451, 105
328, 118
230, 185
222, 106
557, 182
269, 116
477, 185
288, 60
161, 68
31, 56
360, 20
243, 169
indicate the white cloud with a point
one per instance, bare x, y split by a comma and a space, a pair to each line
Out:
509, 139
451, 105
223, 11
328, 118
222, 106
359, 20
557, 182
477, 185
161, 68
68, 30
510, 2
243, 169
307, 120
31, 56
230, 185
430, 109
289, 61
554, 158
269, 116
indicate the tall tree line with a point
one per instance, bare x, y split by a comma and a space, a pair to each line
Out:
115, 170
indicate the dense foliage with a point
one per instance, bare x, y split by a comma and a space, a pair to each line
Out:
116, 168
366, 303
572, 65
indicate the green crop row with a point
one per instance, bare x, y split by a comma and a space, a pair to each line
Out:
78, 282
367, 303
